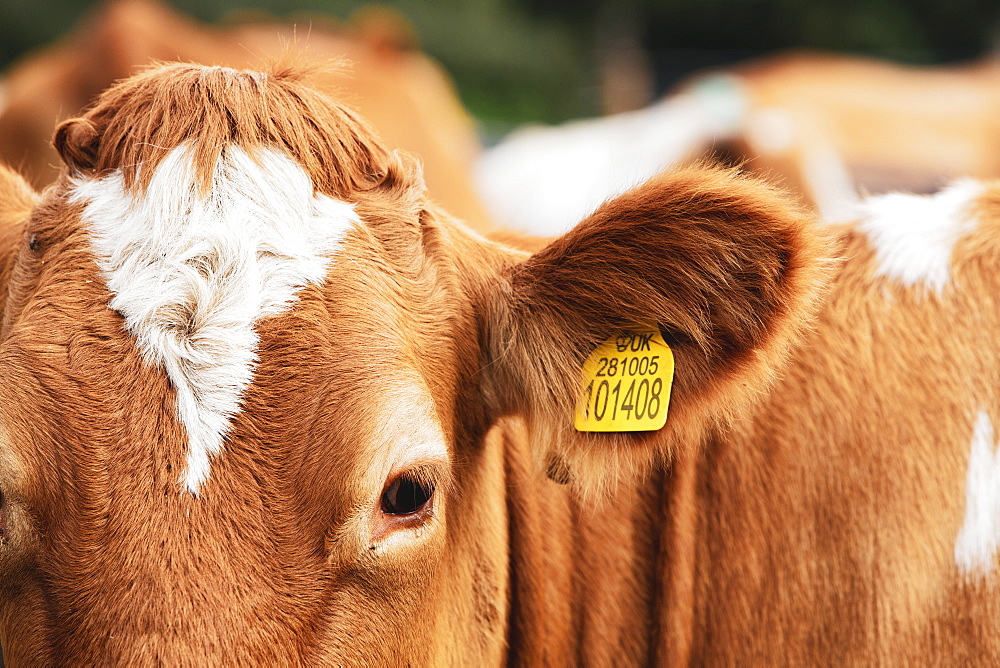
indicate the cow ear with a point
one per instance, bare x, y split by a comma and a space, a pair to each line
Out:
77, 141
725, 267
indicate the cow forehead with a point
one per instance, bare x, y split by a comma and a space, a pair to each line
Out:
193, 270
407, 433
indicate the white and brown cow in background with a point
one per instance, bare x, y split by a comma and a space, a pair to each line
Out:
830, 128
262, 403
835, 128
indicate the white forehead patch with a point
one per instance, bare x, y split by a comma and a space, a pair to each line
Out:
979, 538
192, 272
913, 235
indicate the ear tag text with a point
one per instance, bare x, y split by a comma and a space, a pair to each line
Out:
626, 383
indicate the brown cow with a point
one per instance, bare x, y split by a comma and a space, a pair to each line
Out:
407, 96
263, 403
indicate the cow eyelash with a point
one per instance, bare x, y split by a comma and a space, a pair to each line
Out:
409, 493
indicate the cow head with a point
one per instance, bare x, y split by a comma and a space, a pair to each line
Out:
249, 373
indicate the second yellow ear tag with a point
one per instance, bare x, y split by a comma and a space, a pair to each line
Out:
626, 383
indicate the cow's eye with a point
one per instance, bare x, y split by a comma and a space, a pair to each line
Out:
406, 495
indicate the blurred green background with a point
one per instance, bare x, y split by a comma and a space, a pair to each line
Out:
517, 61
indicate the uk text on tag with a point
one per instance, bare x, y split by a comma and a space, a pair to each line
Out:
626, 383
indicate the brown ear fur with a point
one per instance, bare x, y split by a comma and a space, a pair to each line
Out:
726, 266
77, 142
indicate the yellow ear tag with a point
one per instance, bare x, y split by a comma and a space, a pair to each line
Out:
626, 383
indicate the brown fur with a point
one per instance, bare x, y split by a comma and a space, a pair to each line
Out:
830, 520
133, 125
16, 202
799, 508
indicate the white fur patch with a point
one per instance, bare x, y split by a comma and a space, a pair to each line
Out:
979, 538
193, 272
545, 180
771, 131
913, 235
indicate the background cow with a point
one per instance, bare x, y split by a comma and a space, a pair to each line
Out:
371, 65
262, 401
830, 128
835, 128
